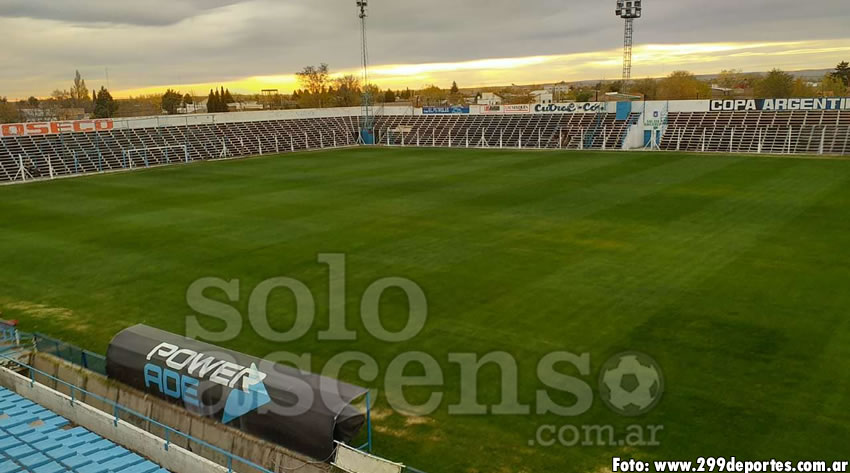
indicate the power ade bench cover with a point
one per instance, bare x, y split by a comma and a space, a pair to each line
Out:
300, 411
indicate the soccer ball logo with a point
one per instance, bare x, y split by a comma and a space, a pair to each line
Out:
631, 384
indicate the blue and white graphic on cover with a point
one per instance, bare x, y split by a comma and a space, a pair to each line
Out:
249, 396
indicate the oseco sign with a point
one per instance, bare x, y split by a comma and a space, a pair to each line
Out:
54, 128
300, 411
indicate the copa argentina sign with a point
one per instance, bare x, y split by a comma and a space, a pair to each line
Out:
55, 128
817, 104
584, 107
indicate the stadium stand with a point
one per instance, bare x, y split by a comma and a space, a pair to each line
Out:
33, 439
81, 153
569, 131
681, 126
783, 132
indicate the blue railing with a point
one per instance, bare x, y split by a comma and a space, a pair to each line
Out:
10, 335
118, 409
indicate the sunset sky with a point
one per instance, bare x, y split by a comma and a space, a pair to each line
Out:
248, 45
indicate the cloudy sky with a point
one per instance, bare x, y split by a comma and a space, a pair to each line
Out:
249, 45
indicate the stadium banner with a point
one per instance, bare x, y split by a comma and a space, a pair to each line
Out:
585, 107
817, 104
55, 128
506, 109
452, 110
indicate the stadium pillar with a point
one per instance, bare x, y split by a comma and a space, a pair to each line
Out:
260, 144
450, 137
402, 137
702, 142
276, 145
560, 139
334, 131
761, 143
50, 163
467, 137
790, 132
291, 143
388, 136
433, 138
604, 137
581, 135
501, 138
321, 139
519, 141
822, 140
306, 141
539, 138
417, 137
731, 139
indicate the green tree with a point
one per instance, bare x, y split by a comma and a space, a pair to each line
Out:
32, 102
389, 96
803, 90
584, 95
832, 86
455, 89
226, 97
220, 106
682, 85
188, 100
347, 91
171, 101
315, 80
776, 84
105, 106
731, 79
615, 86
647, 87
9, 113
79, 91
211, 103
842, 72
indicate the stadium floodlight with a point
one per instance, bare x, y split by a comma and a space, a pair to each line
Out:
366, 125
629, 10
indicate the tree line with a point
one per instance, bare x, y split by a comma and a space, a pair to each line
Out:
318, 88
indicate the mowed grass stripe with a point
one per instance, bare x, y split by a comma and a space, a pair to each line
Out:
713, 264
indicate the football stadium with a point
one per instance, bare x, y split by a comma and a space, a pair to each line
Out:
621, 283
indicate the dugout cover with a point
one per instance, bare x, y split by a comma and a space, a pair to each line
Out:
303, 412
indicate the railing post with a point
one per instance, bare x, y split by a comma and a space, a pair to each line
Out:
417, 137
167, 439
822, 140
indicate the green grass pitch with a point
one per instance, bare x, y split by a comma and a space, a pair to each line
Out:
731, 271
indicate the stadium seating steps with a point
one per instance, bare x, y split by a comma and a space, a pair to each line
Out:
792, 132
35, 440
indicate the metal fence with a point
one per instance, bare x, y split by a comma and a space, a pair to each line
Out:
70, 353
92, 361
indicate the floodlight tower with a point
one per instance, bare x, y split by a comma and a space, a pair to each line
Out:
366, 126
628, 10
